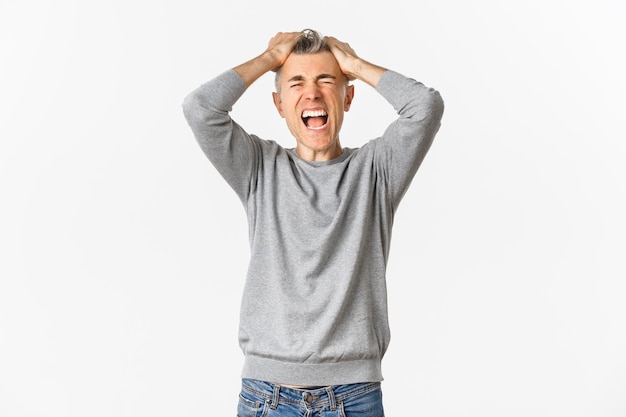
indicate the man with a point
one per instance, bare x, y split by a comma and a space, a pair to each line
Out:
313, 324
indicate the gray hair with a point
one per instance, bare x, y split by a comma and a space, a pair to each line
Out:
309, 42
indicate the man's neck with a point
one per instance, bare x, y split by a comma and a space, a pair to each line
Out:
312, 155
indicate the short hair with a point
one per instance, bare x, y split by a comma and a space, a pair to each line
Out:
309, 42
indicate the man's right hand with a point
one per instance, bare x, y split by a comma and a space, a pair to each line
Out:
276, 53
281, 45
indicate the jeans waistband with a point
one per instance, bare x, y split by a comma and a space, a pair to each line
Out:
329, 396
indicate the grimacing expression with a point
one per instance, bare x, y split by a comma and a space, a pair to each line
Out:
312, 98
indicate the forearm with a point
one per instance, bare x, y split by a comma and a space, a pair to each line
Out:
251, 70
278, 49
352, 65
365, 71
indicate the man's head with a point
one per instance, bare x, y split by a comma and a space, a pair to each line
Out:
312, 95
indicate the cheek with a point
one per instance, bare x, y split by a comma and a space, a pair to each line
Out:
288, 104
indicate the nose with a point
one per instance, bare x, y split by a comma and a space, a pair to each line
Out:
312, 91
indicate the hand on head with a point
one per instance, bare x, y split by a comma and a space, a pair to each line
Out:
281, 45
344, 54
353, 66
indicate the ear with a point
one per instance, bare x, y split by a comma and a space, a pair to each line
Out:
278, 103
349, 96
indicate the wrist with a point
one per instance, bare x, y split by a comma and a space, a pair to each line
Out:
272, 59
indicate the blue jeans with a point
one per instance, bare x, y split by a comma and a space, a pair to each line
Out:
264, 399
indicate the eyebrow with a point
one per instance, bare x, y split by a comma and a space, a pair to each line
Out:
317, 78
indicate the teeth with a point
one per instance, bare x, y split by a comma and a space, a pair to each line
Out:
313, 113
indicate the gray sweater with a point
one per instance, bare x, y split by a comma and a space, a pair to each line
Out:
314, 307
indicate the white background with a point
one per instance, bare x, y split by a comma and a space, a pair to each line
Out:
123, 252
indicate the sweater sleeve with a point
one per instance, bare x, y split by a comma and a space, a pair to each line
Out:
230, 149
404, 144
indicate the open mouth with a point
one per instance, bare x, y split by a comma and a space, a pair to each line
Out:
314, 119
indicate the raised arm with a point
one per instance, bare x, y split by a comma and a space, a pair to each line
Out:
207, 109
278, 49
406, 141
352, 65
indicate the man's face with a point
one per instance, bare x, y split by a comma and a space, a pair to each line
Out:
313, 97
